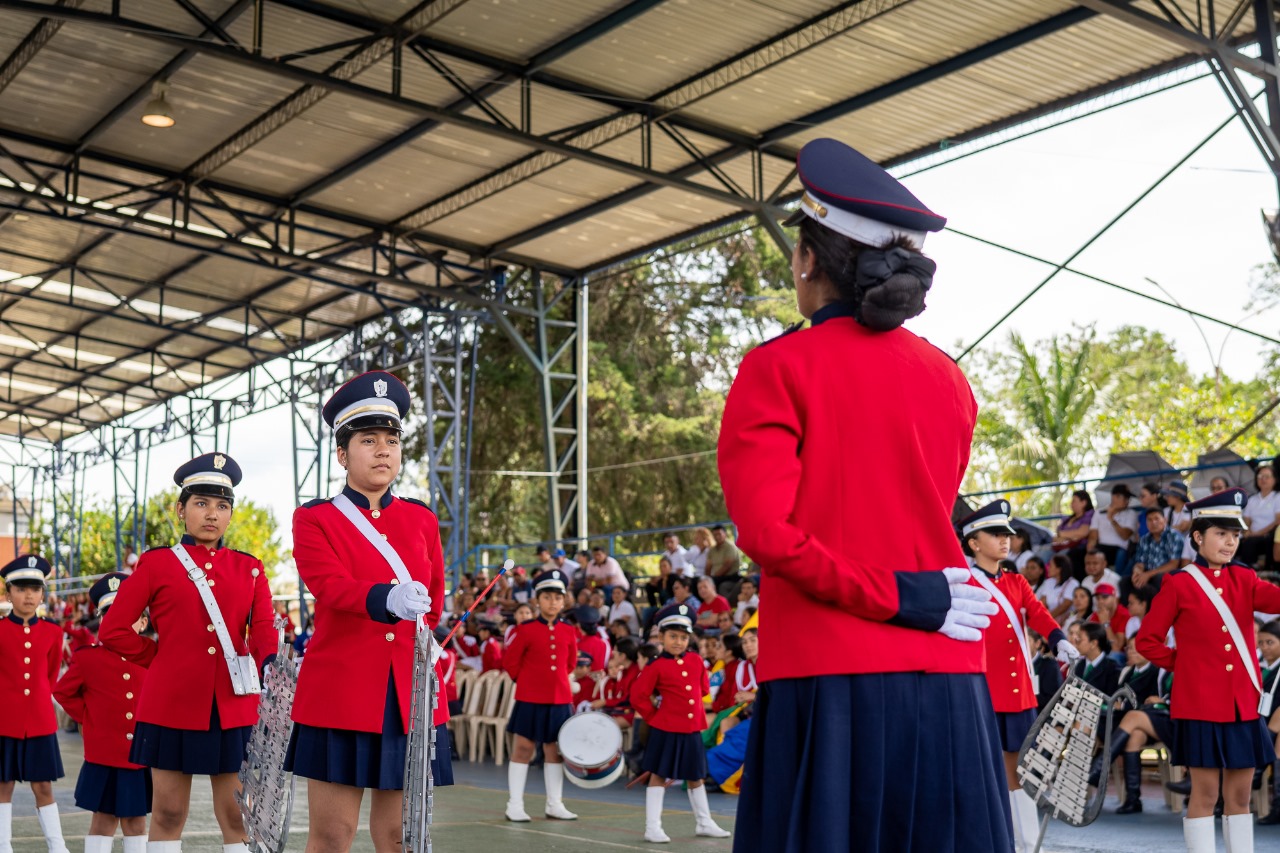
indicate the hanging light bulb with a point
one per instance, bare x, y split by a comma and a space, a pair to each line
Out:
156, 113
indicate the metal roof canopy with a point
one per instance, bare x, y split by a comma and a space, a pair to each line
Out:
334, 161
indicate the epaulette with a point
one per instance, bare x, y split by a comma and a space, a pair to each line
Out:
422, 504
246, 553
157, 548
789, 330
315, 503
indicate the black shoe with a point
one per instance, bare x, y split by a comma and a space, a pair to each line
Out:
1257, 778
1118, 740
1182, 787
1132, 784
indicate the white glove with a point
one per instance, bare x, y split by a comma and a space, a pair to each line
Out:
1067, 652
409, 600
435, 650
970, 607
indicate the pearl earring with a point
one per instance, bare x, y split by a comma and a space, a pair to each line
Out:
805, 276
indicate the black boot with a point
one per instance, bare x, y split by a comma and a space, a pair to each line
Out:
1118, 740
1273, 816
1182, 787
1132, 784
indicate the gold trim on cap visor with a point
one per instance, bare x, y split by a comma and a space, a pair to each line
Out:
106, 600
346, 416
208, 477
25, 575
1001, 520
813, 204
1226, 512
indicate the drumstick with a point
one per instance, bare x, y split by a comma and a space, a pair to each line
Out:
643, 777
509, 564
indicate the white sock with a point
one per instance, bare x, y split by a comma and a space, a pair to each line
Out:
51, 826
98, 843
135, 844
653, 807
1237, 831
1198, 833
164, 846
516, 775
553, 778
6, 827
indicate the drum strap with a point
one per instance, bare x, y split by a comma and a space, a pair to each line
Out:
196, 574
1215, 598
1014, 620
360, 523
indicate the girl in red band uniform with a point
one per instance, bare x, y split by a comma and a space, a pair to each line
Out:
190, 720
94, 693
1217, 730
986, 536
541, 658
624, 669
490, 635
675, 749
352, 707
31, 651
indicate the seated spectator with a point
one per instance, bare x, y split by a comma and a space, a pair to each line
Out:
1094, 666
1112, 615
1269, 649
1081, 608
1111, 531
723, 560
623, 669
747, 598
743, 685
648, 651
657, 590
1020, 548
520, 590
722, 698
1139, 601
695, 557
725, 622
1261, 513
681, 593
1159, 552
591, 640
1096, 571
523, 613
1058, 587
712, 603
1218, 485
1033, 570
489, 633
604, 572
1148, 498
544, 561
598, 602
1048, 675
675, 552
620, 630
583, 597
579, 574
709, 647
1177, 496
624, 610
1073, 531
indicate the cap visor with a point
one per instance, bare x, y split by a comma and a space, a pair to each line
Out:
795, 218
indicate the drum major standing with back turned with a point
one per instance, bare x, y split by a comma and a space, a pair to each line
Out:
353, 705
95, 693
841, 451
30, 653
200, 699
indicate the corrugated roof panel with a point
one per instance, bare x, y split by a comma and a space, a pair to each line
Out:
518, 29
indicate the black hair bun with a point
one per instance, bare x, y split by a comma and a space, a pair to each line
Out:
892, 283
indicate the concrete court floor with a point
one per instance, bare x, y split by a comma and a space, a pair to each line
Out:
469, 818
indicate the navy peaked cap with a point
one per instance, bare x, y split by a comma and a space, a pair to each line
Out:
373, 400
29, 568
852, 195
993, 518
103, 593
214, 474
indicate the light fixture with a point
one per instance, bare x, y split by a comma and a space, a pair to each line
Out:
156, 113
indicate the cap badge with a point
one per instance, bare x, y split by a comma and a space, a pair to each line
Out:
218, 461
113, 584
31, 562
1239, 498
379, 387
684, 611
1004, 507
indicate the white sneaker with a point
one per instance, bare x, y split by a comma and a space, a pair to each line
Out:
656, 835
516, 812
557, 811
712, 830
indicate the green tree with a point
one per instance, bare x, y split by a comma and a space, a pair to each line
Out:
253, 528
86, 540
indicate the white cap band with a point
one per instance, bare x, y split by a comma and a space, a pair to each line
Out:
872, 232
24, 575
369, 406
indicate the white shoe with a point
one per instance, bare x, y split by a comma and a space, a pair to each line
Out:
706, 827
557, 811
553, 778
516, 812
516, 774
656, 835
653, 815
51, 826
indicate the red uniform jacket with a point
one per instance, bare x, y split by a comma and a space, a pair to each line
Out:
80, 636
357, 645
32, 653
96, 694
1212, 683
187, 670
596, 646
541, 659
728, 687
447, 672
617, 693
681, 682
832, 438
491, 654
1007, 677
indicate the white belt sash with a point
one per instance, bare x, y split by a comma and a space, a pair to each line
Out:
1014, 619
1224, 613
243, 670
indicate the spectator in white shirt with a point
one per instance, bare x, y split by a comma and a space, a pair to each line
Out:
623, 609
1111, 531
604, 571
1177, 496
695, 557
747, 598
1058, 586
675, 552
1096, 571
1260, 513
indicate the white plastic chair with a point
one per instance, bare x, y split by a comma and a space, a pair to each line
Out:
472, 706
487, 729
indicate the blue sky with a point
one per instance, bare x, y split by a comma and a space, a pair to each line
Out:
1199, 235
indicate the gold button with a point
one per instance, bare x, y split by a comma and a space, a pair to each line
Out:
553, 657
122, 657
1015, 690
1007, 625
208, 565
1012, 658
129, 715
26, 676
26, 692
126, 676
553, 645
684, 673
1230, 667
211, 650
691, 702
390, 636
1220, 593
208, 627
128, 695
129, 736
376, 513
395, 581
553, 667
1224, 629
680, 661
1227, 647
26, 660
384, 536
26, 630
26, 645
1217, 574
691, 716
1013, 675
688, 687
213, 583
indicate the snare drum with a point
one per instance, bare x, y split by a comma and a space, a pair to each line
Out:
591, 746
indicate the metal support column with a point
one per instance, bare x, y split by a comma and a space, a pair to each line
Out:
23, 479
66, 496
581, 415
447, 361
126, 471
311, 461
1264, 12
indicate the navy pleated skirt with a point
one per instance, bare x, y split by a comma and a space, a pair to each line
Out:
538, 722
1161, 724
115, 791
32, 759
902, 762
364, 759
196, 753
675, 755
1233, 746
1013, 728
